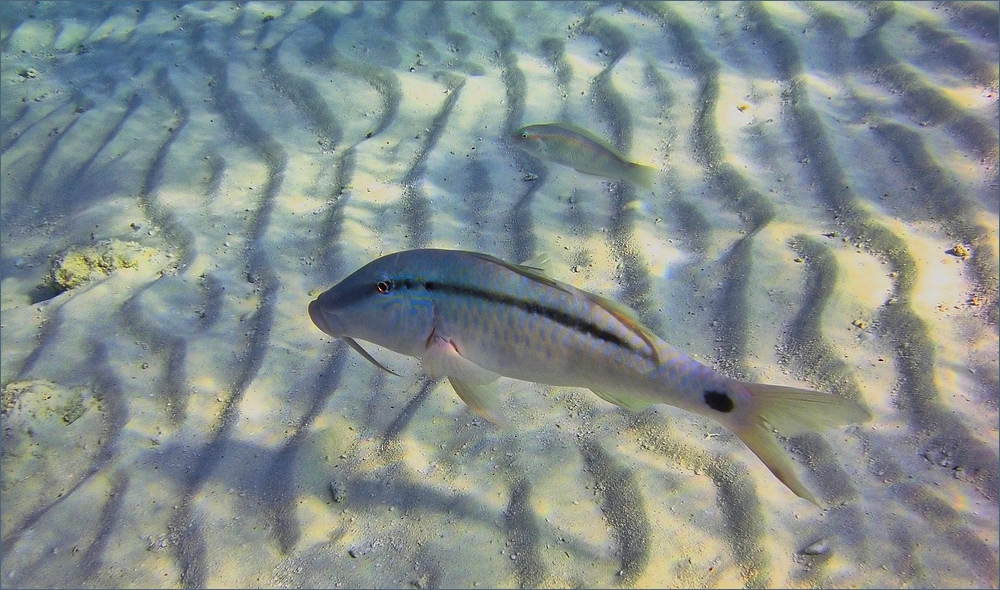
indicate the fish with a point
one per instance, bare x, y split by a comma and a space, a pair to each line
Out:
472, 318
581, 150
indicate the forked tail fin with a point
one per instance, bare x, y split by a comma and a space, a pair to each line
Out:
790, 411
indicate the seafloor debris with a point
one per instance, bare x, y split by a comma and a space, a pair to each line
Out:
52, 434
959, 250
42, 400
339, 490
77, 266
818, 548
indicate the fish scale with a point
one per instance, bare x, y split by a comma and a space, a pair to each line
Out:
515, 354
473, 318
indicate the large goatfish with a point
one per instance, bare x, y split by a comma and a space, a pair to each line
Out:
472, 317
582, 150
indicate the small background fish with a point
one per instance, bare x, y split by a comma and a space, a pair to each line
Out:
581, 150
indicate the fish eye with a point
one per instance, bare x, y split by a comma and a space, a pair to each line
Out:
383, 286
524, 135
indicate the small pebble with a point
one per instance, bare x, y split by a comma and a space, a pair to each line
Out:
339, 491
817, 548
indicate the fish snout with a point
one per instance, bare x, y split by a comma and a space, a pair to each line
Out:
329, 324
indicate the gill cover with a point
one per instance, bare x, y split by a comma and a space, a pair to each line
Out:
383, 303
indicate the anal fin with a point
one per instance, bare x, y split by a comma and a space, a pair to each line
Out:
623, 400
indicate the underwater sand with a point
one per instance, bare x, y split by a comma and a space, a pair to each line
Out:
196, 174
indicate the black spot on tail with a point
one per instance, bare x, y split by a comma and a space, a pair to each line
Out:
720, 402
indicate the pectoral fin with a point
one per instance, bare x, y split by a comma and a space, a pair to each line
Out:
623, 400
468, 378
481, 400
443, 359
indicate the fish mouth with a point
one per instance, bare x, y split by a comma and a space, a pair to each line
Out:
321, 320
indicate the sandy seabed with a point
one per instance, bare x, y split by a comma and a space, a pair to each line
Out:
178, 181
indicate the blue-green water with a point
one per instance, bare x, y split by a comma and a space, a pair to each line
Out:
178, 181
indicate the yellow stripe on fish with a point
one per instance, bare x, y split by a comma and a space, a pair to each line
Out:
581, 150
474, 318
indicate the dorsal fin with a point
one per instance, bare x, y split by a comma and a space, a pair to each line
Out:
525, 271
540, 263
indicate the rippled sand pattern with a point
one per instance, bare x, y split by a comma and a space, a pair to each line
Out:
180, 422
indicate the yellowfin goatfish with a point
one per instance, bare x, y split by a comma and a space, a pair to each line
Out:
582, 150
473, 318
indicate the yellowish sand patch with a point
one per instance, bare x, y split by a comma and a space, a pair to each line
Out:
240, 189
942, 281
741, 161
967, 97
71, 34
992, 241
659, 254
31, 35
318, 519
39, 416
597, 277
416, 454
298, 201
205, 408
116, 28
